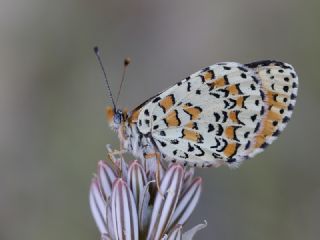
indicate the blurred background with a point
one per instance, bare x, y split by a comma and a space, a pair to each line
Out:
52, 99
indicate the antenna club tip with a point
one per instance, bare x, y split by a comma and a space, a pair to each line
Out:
127, 61
96, 49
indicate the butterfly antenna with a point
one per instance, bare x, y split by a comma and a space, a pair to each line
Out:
126, 62
96, 51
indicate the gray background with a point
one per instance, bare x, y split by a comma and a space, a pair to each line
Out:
52, 99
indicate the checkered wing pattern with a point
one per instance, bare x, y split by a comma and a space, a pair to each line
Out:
225, 113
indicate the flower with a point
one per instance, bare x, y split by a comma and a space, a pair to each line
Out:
127, 204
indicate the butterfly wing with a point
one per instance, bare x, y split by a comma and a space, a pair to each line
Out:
226, 112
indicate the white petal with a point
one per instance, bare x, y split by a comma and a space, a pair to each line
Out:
106, 178
176, 234
98, 206
137, 179
109, 222
105, 237
187, 203
164, 206
145, 210
124, 212
188, 177
188, 235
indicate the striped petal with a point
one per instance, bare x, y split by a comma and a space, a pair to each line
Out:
105, 237
188, 235
164, 206
106, 176
187, 203
188, 177
145, 210
176, 233
124, 212
137, 179
98, 206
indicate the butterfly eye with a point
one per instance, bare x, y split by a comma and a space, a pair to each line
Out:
117, 117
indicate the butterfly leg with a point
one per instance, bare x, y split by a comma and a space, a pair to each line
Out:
158, 168
114, 155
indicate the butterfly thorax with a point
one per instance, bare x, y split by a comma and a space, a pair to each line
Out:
131, 139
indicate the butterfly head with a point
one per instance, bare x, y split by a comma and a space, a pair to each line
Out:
116, 117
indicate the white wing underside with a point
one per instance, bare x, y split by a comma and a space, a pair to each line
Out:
219, 113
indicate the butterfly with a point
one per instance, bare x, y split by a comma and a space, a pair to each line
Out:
220, 115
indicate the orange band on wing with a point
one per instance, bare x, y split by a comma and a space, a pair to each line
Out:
230, 132
167, 103
220, 82
208, 76
231, 149
233, 117
172, 119
233, 90
240, 101
191, 135
270, 120
194, 112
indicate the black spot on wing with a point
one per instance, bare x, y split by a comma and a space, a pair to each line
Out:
233, 103
210, 127
247, 145
238, 88
285, 119
190, 148
225, 116
243, 69
243, 75
220, 130
231, 160
255, 79
156, 99
294, 85
216, 95
201, 151
163, 144
189, 87
174, 141
217, 143
217, 116
226, 79
185, 156
253, 117
276, 133
257, 127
